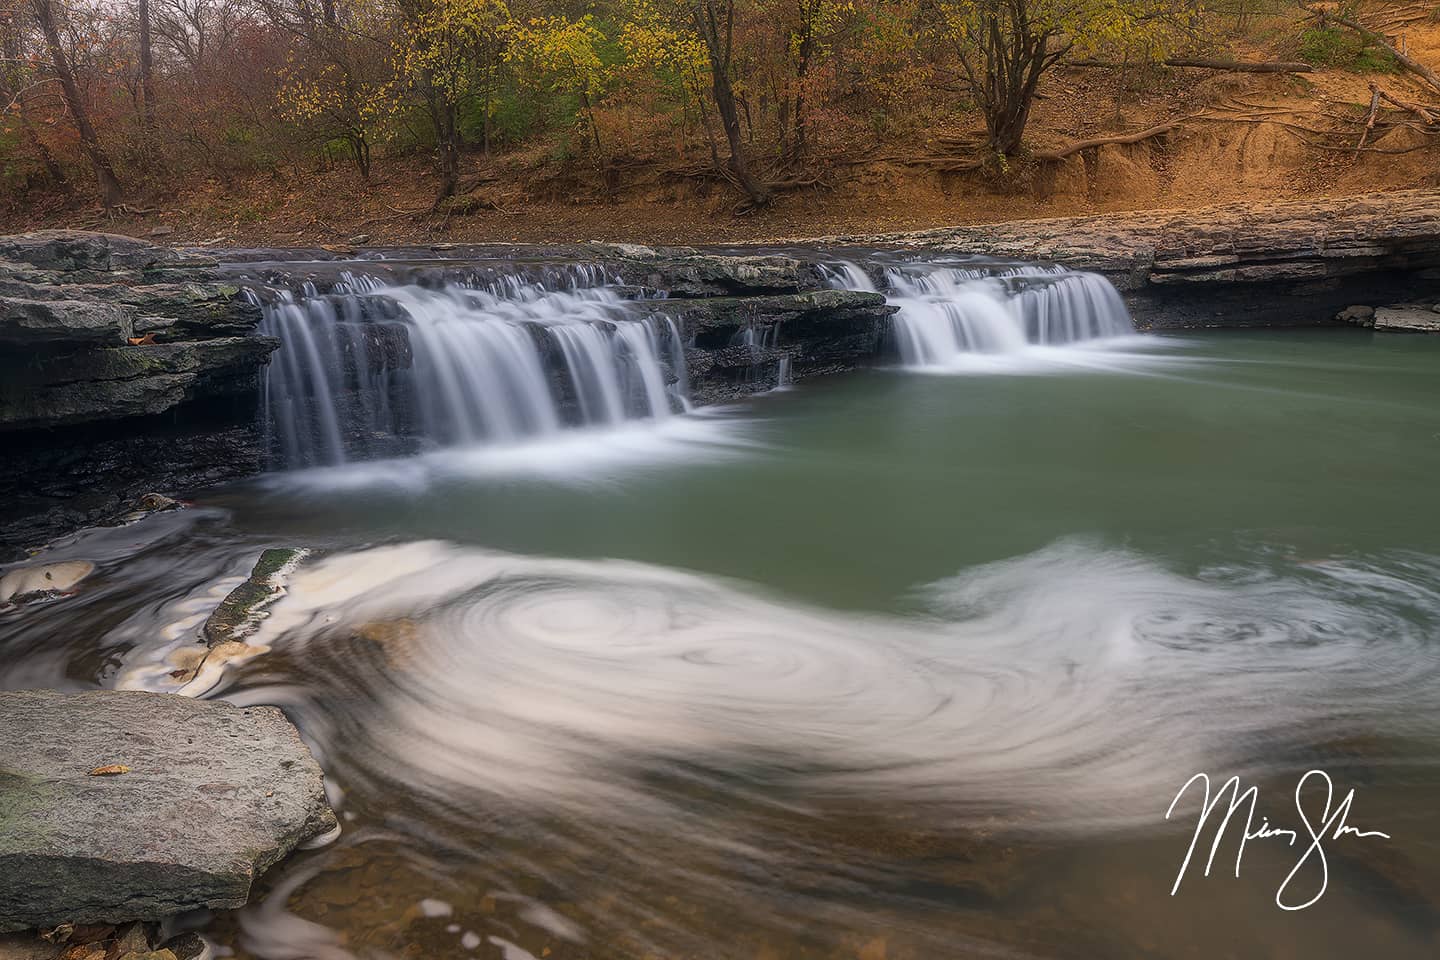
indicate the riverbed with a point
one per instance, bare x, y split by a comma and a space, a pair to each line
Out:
894, 664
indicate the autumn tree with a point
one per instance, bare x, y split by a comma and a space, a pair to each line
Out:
654, 44
451, 52
1004, 47
196, 32
811, 26
47, 16
562, 55
335, 79
714, 23
20, 80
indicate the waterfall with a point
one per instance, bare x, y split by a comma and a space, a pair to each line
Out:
382, 365
368, 367
947, 312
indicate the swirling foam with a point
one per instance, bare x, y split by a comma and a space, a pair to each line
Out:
1078, 682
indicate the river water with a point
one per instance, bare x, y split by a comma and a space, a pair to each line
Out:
906, 663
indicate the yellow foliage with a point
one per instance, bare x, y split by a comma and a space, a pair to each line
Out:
1147, 28
455, 45
561, 54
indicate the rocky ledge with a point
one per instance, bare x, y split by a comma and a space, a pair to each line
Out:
118, 807
127, 368
1279, 263
98, 327
124, 366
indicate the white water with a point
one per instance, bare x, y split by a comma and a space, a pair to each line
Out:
948, 314
477, 371
1030, 682
372, 370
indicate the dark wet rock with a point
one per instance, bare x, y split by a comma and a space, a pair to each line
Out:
57, 481
1357, 314
214, 795
241, 611
131, 381
125, 367
816, 332
816, 311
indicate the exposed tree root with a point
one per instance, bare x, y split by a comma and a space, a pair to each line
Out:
1369, 118
1061, 153
1428, 115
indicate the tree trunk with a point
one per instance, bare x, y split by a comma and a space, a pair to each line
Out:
717, 46
147, 85
110, 187
360, 153
704, 111
447, 141
1012, 95
590, 119
1232, 66
798, 144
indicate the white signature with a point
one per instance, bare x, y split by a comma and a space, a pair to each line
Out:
1331, 825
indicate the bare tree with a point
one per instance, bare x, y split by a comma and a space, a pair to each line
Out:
110, 189
147, 84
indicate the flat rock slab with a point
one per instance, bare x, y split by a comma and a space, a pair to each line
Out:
210, 797
1407, 319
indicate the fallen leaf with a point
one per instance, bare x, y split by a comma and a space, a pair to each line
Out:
113, 770
146, 340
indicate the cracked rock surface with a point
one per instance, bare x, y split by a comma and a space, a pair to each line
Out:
203, 798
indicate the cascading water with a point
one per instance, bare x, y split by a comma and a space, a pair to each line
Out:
947, 312
370, 364
373, 368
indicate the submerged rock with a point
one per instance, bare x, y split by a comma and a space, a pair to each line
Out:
43, 578
240, 612
214, 795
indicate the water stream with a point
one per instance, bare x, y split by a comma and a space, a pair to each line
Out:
479, 367
879, 666
953, 315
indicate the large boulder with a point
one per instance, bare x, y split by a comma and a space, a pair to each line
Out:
118, 806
